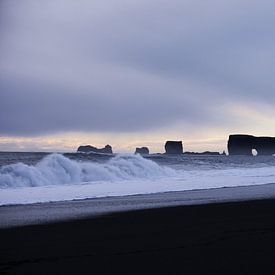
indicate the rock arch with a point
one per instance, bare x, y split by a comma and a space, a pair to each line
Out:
244, 144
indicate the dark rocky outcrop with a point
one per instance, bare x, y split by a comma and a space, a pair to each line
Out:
91, 149
265, 145
208, 153
142, 151
173, 147
240, 144
244, 144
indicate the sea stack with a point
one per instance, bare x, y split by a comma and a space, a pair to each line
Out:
244, 144
174, 147
142, 151
91, 149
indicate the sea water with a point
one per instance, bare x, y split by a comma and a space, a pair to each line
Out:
41, 177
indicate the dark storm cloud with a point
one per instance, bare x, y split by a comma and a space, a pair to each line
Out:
131, 65
40, 108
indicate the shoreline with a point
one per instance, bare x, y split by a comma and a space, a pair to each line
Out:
217, 238
50, 212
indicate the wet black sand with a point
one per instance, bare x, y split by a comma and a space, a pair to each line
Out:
224, 238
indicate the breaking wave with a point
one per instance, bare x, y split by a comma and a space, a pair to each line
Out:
56, 169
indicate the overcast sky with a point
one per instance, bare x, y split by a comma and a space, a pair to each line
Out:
131, 72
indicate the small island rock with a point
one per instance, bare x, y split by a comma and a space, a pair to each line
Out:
91, 149
174, 147
142, 151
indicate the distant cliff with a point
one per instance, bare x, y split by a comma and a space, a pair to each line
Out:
91, 149
142, 150
244, 144
174, 147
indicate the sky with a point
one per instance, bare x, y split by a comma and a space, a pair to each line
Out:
135, 73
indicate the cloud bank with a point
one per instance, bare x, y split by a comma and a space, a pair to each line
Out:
133, 66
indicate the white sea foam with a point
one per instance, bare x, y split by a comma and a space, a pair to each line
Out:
56, 169
58, 178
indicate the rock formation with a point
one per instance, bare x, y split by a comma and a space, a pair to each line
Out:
173, 147
91, 149
244, 144
265, 145
207, 153
240, 144
142, 150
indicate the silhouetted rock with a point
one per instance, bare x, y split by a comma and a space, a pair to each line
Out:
208, 153
265, 145
240, 144
244, 144
173, 147
91, 149
142, 151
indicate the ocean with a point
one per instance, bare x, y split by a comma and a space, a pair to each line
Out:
42, 177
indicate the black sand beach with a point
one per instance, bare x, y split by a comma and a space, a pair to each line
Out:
224, 238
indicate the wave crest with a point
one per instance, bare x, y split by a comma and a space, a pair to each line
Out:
57, 169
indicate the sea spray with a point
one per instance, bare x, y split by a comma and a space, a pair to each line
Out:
55, 169
58, 178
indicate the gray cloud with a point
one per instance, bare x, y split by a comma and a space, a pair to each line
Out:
131, 65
